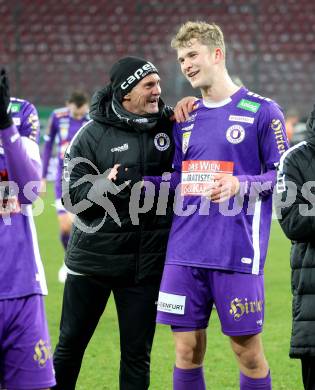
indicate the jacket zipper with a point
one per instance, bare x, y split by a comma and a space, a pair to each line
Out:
140, 139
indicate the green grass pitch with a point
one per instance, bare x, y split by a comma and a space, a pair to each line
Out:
101, 362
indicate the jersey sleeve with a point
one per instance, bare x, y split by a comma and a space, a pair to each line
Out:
178, 157
273, 143
21, 153
272, 136
30, 126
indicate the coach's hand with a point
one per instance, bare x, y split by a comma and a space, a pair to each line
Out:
130, 175
5, 117
183, 108
223, 188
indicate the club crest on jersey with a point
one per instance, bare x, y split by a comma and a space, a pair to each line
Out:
63, 148
33, 120
185, 142
64, 131
162, 141
235, 134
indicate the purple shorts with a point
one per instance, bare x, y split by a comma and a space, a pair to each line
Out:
25, 351
187, 295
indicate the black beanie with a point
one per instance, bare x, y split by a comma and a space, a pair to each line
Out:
127, 72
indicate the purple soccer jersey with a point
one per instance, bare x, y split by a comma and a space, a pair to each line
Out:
21, 268
63, 127
24, 341
244, 136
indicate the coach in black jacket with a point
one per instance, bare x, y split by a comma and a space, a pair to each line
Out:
118, 240
296, 212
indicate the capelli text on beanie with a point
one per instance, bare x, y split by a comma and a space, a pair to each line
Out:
127, 72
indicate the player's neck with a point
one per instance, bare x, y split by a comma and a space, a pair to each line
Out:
221, 89
76, 117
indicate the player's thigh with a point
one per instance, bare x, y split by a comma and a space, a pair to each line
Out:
249, 345
26, 360
239, 299
190, 345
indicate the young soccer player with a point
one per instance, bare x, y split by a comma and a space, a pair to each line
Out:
25, 351
226, 153
64, 123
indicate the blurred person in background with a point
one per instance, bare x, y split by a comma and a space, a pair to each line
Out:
225, 153
300, 132
129, 137
292, 118
295, 209
63, 124
25, 351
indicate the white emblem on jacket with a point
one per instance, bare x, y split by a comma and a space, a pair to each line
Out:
121, 148
162, 141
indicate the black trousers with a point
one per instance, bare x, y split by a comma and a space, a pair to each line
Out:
84, 301
308, 372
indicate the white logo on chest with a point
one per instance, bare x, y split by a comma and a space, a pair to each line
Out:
239, 118
235, 134
121, 148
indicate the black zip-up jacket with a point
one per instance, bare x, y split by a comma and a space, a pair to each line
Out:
298, 223
107, 238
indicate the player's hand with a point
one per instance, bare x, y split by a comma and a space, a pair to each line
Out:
113, 173
183, 108
5, 117
223, 188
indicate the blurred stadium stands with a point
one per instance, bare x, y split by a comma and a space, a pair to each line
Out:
51, 47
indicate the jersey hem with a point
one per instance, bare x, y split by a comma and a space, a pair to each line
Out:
183, 324
21, 295
212, 266
41, 385
243, 333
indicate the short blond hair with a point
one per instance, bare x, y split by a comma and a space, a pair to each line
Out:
208, 34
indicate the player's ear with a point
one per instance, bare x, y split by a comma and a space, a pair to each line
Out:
218, 55
126, 97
